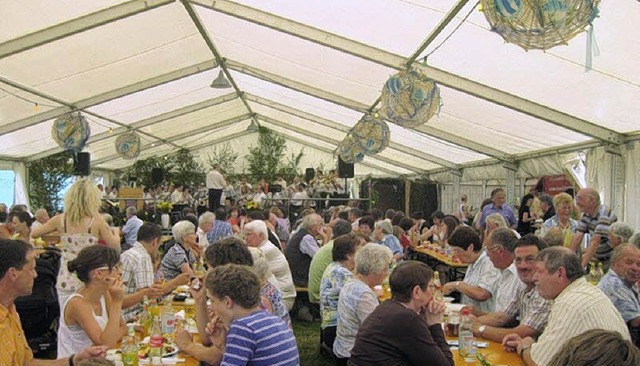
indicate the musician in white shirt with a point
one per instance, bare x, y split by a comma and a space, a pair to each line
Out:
215, 185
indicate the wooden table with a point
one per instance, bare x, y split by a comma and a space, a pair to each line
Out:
456, 269
495, 354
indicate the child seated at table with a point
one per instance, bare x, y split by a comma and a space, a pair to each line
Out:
255, 337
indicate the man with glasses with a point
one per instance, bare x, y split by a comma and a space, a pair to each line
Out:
500, 250
17, 274
526, 305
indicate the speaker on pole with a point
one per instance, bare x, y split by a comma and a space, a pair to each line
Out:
157, 176
309, 174
82, 164
345, 170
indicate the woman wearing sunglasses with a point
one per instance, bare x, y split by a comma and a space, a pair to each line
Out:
93, 315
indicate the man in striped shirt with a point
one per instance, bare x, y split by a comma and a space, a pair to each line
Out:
527, 305
596, 221
255, 337
577, 307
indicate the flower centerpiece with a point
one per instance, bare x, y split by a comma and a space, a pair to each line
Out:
251, 205
165, 207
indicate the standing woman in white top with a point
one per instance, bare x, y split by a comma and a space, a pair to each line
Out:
93, 315
80, 226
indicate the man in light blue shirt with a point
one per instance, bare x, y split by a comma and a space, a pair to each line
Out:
620, 284
498, 205
130, 228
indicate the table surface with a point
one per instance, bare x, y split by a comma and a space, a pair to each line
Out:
494, 354
440, 257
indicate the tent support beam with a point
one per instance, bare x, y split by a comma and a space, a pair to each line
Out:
398, 62
105, 97
360, 107
207, 39
184, 135
207, 144
78, 25
221, 140
331, 141
342, 128
437, 30
329, 151
144, 123
59, 101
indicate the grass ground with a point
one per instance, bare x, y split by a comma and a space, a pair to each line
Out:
308, 337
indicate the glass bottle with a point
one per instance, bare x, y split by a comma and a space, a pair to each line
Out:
466, 345
145, 317
130, 350
155, 342
437, 294
592, 275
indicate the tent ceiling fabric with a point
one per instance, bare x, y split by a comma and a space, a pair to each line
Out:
308, 71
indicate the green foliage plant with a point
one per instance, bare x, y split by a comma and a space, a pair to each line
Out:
47, 177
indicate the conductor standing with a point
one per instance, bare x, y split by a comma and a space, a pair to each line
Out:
215, 184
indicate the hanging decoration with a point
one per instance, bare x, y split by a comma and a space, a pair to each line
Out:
410, 99
350, 151
539, 24
71, 131
128, 145
372, 134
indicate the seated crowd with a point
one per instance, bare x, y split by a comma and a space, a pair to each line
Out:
365, 274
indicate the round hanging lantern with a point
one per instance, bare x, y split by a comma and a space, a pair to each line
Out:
350, 150
128, 145
539, 24
71, 131
372, 134
410, 99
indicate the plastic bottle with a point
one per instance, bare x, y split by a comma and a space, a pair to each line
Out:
155, 342
466, 345
168, 320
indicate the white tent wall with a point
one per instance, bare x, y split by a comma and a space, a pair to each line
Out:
631, 157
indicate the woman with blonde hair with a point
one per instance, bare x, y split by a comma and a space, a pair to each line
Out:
564, 206
79, 226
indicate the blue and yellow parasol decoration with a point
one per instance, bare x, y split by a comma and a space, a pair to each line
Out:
71, 131
539, 24
410, 99
128, 145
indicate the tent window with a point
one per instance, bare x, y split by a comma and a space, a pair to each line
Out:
7, 185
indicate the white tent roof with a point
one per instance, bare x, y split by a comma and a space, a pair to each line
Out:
308, 70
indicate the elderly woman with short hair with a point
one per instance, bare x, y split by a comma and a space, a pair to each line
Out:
184, 253
334, 278
205, 224
357, 299
383, 233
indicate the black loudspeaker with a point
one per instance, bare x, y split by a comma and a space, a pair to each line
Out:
157, 175
345, 170
82, 164
309, 174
